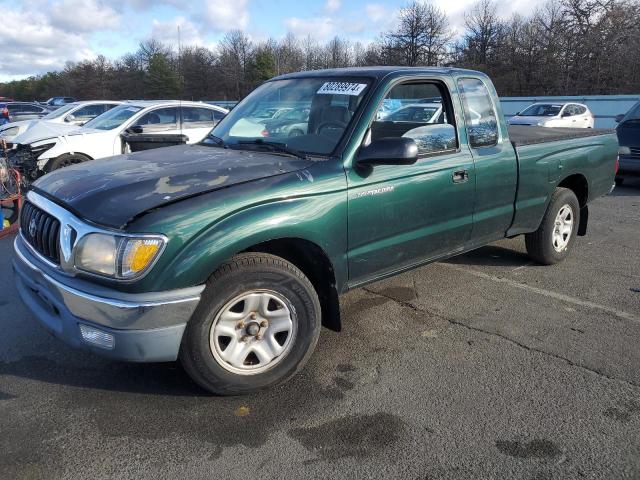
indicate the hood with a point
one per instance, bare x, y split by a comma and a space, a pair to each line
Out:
519, 120
22, 123
629, 133
42, 130
112, 191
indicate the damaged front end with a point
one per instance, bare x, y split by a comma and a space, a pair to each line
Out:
24, 158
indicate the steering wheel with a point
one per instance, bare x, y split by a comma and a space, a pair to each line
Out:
331, 123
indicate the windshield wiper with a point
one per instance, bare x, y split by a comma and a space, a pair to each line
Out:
220, 142
275, 146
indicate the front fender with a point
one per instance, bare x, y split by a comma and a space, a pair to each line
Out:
320, 219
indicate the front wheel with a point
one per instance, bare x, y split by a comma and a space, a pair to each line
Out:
256, 325
66, 160
553, 240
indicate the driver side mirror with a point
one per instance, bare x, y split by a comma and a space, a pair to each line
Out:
389, 151
618, 118
135, 129
69, 118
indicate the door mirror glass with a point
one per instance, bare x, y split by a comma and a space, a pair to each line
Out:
433, 138
69, 118
389, 151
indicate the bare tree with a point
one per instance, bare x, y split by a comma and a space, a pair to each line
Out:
422, 36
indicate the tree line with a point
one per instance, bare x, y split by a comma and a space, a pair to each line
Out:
565, 47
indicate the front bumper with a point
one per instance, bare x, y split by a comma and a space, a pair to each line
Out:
140, 327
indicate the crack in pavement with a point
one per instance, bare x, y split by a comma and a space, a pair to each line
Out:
546, 293
529, 348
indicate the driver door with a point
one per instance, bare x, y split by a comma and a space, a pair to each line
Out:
401, 216
159, 121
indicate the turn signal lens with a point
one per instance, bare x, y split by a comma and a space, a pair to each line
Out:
139, 254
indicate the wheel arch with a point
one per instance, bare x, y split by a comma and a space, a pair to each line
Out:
579, 185
47, 166
313, 261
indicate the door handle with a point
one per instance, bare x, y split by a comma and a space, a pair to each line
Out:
460, 176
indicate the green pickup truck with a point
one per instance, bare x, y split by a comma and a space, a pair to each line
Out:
231, 254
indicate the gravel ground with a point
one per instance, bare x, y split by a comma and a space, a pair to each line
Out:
484, 366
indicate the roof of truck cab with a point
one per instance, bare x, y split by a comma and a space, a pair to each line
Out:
376, 72
153, 103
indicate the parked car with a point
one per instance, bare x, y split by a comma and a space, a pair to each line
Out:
230, 254
64, 119
569, 115
57, 102
101, 137
291, 123
415, 112
18, 111
628, 131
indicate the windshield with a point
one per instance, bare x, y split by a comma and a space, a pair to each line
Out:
633, 113
59, 112
312, 114
113, 118
541, 110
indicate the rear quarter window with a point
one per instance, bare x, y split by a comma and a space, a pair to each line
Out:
480, 114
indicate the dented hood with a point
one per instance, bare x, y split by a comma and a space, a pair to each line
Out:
112, 191
41, 130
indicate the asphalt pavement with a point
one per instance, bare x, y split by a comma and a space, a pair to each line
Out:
483, 366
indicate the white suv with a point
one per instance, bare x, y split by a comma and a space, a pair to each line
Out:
570, 115
101, 137
63, 119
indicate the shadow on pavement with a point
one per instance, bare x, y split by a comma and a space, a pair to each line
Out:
90, 372
492, 255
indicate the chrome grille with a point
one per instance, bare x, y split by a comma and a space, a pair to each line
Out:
41, 231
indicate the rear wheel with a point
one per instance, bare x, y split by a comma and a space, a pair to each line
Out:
256, 325
553, 240
619, 181
66, 160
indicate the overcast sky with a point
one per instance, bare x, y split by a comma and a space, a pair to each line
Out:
41, 35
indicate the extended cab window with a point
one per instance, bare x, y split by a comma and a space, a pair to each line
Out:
418, 110
479, 113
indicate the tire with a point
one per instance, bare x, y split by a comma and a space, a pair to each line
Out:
225, 304
66, 160
546, 245
619, 181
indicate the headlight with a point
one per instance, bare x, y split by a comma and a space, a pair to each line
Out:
9, 132
40, 149
117, 256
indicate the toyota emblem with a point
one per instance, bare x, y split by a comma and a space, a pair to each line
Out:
32, 228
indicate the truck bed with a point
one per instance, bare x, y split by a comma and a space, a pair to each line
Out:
521, 135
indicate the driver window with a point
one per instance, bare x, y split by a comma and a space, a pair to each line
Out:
159, 120
418, 110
